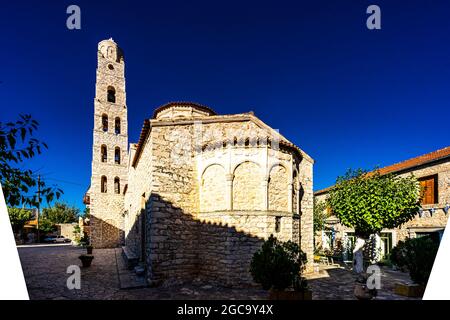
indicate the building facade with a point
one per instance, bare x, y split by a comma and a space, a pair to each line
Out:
199, 192
433, 173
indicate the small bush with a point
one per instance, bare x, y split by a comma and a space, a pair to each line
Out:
278, 265
417, 256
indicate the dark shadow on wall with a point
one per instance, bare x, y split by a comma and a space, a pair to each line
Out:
105, 233
179, 247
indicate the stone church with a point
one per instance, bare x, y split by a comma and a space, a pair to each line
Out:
199, 192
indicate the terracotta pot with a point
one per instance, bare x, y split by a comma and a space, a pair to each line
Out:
86, 260
290, 295
362, 293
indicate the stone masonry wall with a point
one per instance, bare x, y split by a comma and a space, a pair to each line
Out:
247, 187
306, 211
278, 190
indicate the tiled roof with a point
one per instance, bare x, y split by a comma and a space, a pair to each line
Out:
414, 162
408, 164
183, 104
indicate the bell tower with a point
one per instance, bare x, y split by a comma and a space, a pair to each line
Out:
109, 150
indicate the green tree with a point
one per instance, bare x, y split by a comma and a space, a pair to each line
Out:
46, 226
61, 213
18, 217
320, 215
369, 202
17, 145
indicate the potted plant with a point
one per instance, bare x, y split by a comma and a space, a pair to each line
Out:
277, 266
86, 260
89, 249
416, 256
361, 291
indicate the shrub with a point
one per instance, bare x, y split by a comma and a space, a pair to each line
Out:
417, 256
278, 265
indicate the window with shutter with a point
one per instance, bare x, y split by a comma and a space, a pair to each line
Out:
429, 189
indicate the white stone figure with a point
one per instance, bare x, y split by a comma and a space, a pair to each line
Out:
358, 255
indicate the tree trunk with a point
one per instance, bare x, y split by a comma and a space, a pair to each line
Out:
358, 265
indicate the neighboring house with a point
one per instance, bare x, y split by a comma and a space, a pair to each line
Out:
199, 192
28, 231
433, 173
66, 230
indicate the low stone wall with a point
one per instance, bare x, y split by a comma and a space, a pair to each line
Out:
216, 247
66, 230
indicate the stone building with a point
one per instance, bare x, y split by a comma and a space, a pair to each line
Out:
199, 192
433, 173
109, 149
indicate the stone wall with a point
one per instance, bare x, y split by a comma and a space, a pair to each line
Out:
66, 230
306, 210
213, 186
247, 187
278, 189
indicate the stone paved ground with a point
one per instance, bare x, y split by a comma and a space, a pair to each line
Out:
45, 273
337, 283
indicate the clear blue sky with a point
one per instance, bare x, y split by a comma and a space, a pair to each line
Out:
348, 96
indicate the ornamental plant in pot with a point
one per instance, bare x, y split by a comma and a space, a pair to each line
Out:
417, 257
89, 249
86, 260
277, 266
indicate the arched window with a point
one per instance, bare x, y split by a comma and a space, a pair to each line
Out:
105, 122
117, 155
116, 185
104, 153
111, 94
104, 184
117, 125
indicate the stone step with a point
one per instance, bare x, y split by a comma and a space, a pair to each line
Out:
128, 279
130, 259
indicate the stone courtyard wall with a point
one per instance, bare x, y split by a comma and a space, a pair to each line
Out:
66, 230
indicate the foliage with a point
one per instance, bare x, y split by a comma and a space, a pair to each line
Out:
79, 239
61, 213
87, 213
369, 202
417, 256
18, 217
46, 226
17, 145
320, 215
278, 265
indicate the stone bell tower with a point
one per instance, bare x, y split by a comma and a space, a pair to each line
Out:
109, 149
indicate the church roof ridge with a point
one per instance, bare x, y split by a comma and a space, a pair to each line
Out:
183, 104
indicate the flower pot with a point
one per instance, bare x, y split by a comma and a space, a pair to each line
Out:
361, 292
89, 249
86, 260
409, 290
290, 295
